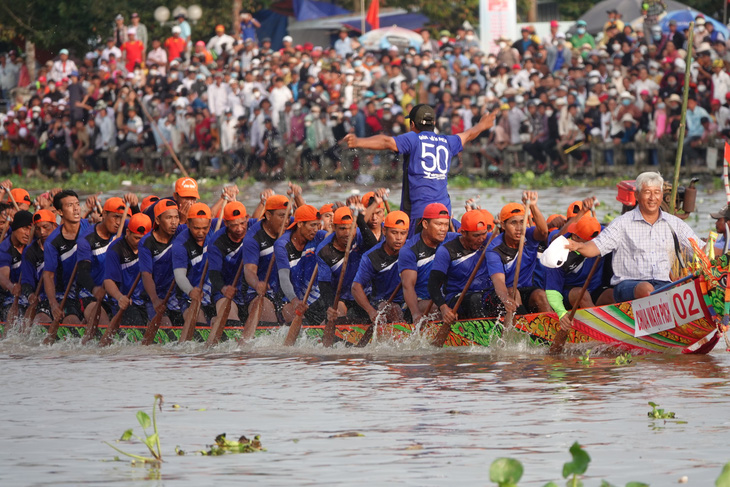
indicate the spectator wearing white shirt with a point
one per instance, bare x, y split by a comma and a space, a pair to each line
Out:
158, 56
720, 80
280, 94
8, 76
220, 42
343, 45
218, 93
63, 67
110, 49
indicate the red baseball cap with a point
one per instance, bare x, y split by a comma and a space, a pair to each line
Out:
435, 210
305, 213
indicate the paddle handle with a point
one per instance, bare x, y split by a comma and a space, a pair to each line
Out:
154, 325
189, 326
113, 326
249, 329
53, 329
562, 335
12, 199
93, 325
217, 331
328, 339
120, 230
32, 310
220, 215
296, 324
509, 319
164, 141
443, 332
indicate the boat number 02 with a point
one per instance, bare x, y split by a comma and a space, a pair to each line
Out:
686, 306
439, 158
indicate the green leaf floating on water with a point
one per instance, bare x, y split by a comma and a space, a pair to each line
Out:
550, 484
127, 435
637, 484
506, 472
579, 464
348, 434
151, 440
724, 479
144, 419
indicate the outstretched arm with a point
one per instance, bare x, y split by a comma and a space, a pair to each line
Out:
485, 123
376, 142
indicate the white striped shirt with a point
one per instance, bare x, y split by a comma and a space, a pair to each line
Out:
642, 251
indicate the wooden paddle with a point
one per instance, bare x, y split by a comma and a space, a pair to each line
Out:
296, 324
445, 329
216, 330
249, 330
368, 335
53, 329
113, 326
154, 325
12, 199
189, 327
93, 325
32, 310
328, 339
562, 335
508, 320
164, 141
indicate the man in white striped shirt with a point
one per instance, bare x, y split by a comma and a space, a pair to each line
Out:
644, 242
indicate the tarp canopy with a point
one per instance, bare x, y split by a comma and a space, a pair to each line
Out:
596, 17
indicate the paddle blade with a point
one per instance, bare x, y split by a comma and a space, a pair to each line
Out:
249, 329
189, 327
328, 339
442, 335
366, 337
294, 329
556, 348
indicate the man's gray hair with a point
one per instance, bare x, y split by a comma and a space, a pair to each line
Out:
650, 179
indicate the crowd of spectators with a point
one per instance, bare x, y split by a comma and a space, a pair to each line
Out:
232, 98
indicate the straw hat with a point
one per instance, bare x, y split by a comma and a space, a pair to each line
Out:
593, 100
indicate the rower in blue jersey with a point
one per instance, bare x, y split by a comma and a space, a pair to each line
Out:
121, 268
225, 252
330, 256
563, 284
189, 255
31, 264
502, 260
295, 259
416, 258
11, 253
375, 222
452, 266
92, 254
155, 260
60, 257
258, 250
378, 270
427, 158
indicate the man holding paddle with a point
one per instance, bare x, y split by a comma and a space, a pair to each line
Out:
32, 262
60, 257
11, 250
453, 265
504, 260
92, 255
415, 259
189, 254
427, 157
378, 269
121, 269
644, 242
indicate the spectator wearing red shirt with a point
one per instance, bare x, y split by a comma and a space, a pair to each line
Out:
175, 45
132, 50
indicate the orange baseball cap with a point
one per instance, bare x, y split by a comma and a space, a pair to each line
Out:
305, 213
140, 224
200, 210
220, 28
148, 201
553, 217
20, 195
587, 228
435, 210
187, 188
343, 216
488, 219
574, 208
398, 220
164, 205
44, 216
115, 205
234, 210
510, 210
473, 221
328, 208
368, 198
277, 202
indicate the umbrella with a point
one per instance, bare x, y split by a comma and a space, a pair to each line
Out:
385, 37
685, 16
596, 17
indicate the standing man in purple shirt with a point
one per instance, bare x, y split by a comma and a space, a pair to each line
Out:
427, 158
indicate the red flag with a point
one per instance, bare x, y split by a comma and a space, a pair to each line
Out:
373, 16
